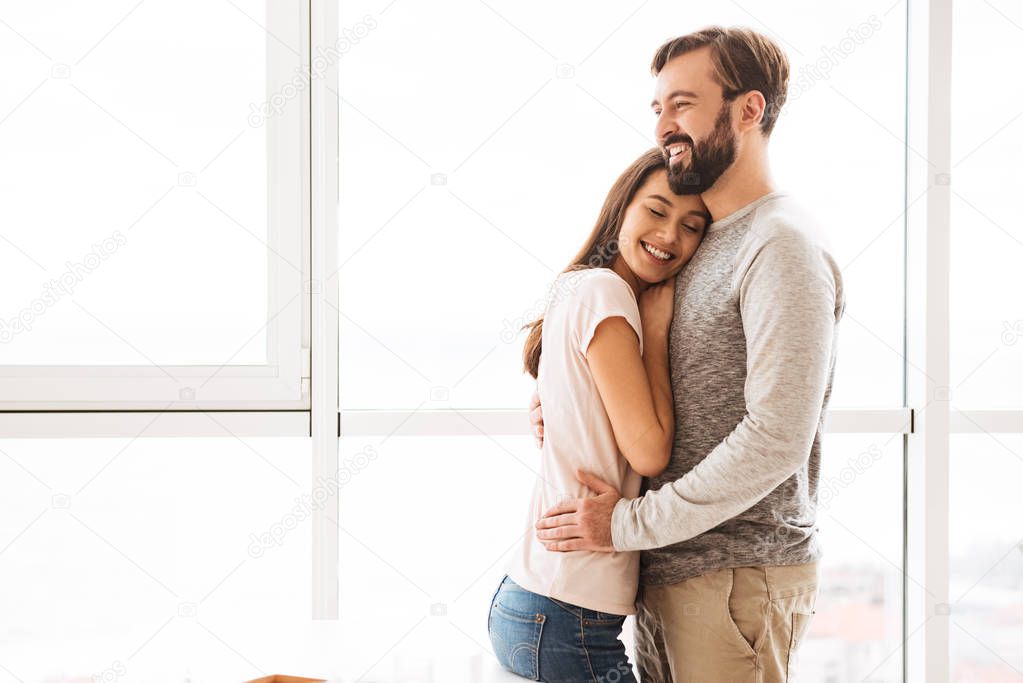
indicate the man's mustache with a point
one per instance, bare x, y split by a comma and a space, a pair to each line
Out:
674, 140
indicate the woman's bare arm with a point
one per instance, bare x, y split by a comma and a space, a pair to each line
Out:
635, 390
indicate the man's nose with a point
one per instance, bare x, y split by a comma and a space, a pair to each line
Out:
664, 128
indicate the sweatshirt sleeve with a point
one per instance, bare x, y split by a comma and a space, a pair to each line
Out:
790, 300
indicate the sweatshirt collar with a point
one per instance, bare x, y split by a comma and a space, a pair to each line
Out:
740, 213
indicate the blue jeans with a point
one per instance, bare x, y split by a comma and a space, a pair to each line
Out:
544, 639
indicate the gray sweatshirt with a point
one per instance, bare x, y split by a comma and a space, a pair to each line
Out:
752, 353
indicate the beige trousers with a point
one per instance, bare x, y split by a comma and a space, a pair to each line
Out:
739, 625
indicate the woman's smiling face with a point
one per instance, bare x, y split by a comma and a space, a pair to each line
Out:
661, 230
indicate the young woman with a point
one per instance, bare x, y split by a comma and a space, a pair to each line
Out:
603, 382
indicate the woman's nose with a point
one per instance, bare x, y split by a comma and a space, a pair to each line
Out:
669, 236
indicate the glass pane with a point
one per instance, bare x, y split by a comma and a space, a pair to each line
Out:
856, 634
987, 243
441, 559
468, 188
438, 560
134, 184
152, 560
986, 549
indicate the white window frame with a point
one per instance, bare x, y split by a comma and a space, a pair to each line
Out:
926, 553
280, 383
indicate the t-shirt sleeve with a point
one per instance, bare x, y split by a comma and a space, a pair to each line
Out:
599, 297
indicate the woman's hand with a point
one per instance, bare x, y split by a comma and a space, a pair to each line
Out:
536, 418
657, 306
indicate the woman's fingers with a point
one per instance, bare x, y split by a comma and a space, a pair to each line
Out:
536, 418
535, 410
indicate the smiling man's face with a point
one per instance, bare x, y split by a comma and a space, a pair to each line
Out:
694, 122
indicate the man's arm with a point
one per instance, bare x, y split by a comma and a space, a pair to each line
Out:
787, 300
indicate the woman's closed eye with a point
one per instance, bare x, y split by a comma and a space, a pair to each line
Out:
657, 213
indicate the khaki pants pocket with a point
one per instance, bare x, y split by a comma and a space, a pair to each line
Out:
800, 625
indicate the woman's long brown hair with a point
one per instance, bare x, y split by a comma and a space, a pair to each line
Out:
601, 247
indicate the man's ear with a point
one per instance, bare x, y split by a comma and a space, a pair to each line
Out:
752, 108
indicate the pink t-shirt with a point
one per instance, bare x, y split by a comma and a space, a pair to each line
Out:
578, 434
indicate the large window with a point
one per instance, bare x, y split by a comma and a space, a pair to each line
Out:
492, 157
473, 166
986, 466
987, 139
331, 218
986, 548
154, 248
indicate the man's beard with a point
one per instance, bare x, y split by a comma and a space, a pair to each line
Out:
708, 159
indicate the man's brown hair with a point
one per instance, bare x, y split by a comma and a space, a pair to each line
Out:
743, 59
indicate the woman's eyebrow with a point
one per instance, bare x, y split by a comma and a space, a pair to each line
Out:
659, 197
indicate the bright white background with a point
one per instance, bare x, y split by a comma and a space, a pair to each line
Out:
477, 143
140, 131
